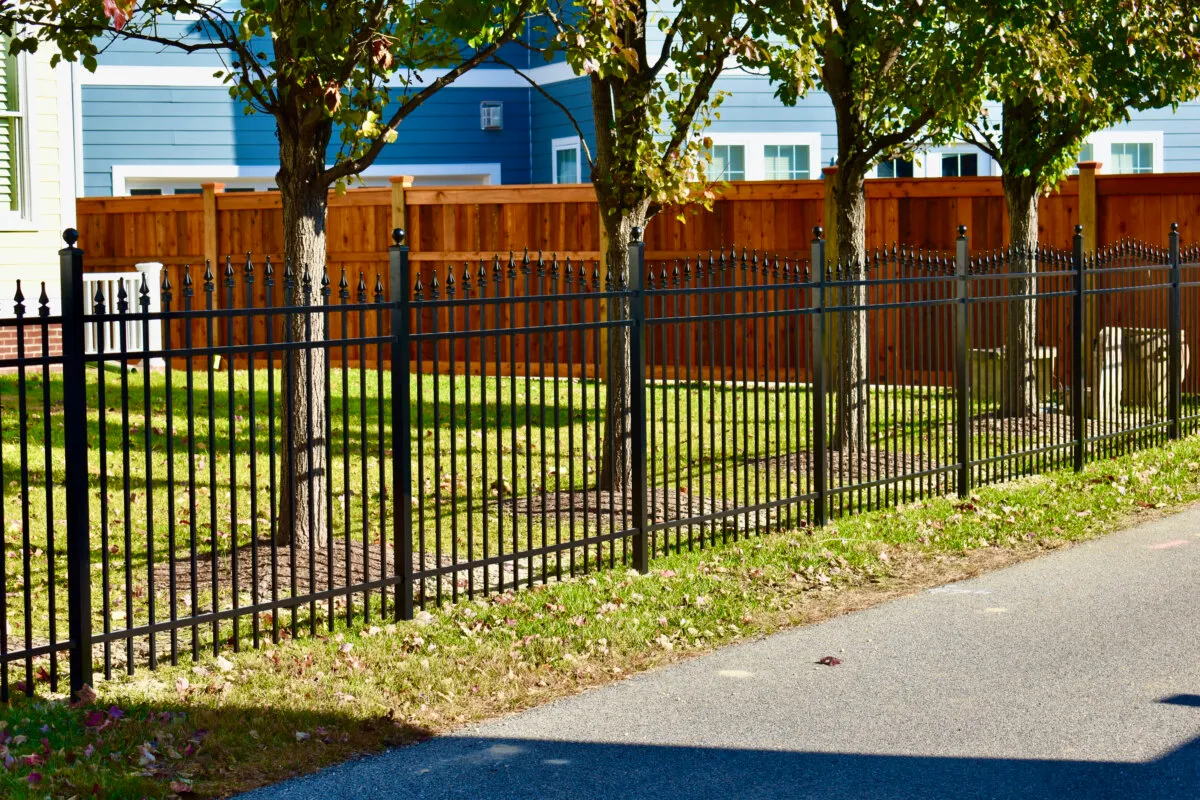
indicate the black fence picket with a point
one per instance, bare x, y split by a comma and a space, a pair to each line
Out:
479, 428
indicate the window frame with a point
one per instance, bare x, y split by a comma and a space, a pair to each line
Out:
809, 174
728, 147
23, 218
755, 144
1102, 147
559, 145
958, 155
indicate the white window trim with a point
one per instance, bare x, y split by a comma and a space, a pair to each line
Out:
165, 175
125, 76
26, 218
1103, 141
932, 160
928, 163
920, 165
566, 143
755, 144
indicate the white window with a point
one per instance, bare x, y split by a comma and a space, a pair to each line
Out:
1132, 158
14, 140
895, 168
1125, 152
960, 165
783, 156
728, 163
565, 160
787, 162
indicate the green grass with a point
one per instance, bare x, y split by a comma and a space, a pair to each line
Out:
181, 484
199, 489
249, 718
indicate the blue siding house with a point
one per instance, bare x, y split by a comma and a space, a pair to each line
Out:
151, 120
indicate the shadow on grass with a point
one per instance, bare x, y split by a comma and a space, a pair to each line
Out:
210, 746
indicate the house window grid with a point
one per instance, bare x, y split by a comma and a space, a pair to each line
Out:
896, 168
1132, 158
960, 165
17, 210
560, 148
731, 159
786, 162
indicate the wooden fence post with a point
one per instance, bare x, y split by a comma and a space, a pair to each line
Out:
211, 243
1090, 241
399, 204
210, 192
829, 174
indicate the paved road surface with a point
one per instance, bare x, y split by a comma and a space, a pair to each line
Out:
1073, 676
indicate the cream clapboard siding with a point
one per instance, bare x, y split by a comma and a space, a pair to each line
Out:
30, 254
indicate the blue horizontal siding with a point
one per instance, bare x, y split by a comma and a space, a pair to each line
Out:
179, 126
1181, 134
550, 123
131, 52
750, 106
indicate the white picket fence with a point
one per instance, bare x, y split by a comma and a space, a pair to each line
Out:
110, 283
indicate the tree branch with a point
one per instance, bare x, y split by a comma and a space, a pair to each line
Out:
701, 92
587, 153
664, 54
354, 166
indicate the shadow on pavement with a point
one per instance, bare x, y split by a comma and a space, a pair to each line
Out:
520, 768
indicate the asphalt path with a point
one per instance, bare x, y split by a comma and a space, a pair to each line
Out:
1075, 675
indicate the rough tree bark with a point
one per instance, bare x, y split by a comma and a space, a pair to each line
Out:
304, 193
616, 471
1020, 391
849, 343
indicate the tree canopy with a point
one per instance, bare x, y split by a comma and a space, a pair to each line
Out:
357, 66
1064, 70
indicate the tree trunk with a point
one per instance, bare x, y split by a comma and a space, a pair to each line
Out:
848, 348
304, 195
616, 466
1020, 387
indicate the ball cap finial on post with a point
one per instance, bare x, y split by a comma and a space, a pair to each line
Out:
635, 235
818, 232
70, 236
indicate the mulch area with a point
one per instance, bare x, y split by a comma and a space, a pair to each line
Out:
601, 510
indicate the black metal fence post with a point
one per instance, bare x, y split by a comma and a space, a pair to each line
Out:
1078, 341
962, 375
820, 445
1175, 325
402, 488
75, 448
637, 400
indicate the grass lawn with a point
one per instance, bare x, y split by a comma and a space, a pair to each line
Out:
244, 719
478, 444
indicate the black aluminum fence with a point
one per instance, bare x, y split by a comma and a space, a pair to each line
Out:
449, 435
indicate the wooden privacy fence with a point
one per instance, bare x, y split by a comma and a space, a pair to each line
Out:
465, 227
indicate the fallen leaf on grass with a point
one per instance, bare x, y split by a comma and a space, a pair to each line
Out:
830, 661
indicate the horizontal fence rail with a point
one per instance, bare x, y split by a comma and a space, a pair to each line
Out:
391, 439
